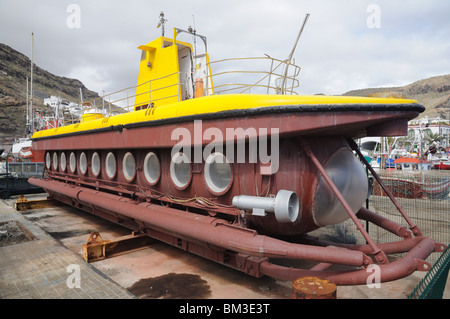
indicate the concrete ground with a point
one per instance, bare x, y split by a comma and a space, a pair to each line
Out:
39, 268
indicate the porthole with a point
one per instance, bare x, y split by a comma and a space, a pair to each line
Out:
152, 169
48, 160
180, 170
83, 163
72, 162
55, 161
110, 165
95, 164
63, 162
218, 174
128, 166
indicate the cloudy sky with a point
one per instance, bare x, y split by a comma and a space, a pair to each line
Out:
347, 44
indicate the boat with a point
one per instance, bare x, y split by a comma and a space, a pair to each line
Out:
445, 165
416, 184
411, 164
236, 177
413, 187
376, 152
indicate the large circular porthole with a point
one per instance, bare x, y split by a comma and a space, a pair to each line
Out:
111, 165
63, 162
218, 174
72, 162
48, 160
83, 163
152, 170
95, 164
55, 161
129, 166
180, 170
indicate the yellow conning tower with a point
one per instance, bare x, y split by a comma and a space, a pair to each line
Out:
169, 72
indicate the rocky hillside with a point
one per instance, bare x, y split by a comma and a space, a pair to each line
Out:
433, 93
14, 69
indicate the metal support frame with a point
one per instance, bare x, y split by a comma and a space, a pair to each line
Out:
241, 248
22, 204
377, 252
414, 228
98, 249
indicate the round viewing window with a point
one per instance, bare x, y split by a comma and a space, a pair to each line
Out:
129, 166
111, 165
95, 164
180, 170
48, 160
218, 174
63, 162
55, 161
152, 168
72, 162
83, 163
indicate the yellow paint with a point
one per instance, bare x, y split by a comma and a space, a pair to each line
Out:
91, 116
216, 103
158, 80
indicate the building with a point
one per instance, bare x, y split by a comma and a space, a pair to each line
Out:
419, 128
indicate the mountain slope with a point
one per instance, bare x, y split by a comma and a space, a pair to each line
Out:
433, 93
14, 69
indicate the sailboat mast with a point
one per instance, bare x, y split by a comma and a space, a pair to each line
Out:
31, 87
28, 110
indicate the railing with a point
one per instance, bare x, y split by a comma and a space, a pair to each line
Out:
110, 102
280, 79
22, 169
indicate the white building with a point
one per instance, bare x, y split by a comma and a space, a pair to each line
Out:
417, 129
56, 102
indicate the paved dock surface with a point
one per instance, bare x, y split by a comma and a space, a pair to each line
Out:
48, 264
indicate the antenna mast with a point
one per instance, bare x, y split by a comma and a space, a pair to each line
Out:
162, 22
289, 59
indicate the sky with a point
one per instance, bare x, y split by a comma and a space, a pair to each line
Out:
345, 45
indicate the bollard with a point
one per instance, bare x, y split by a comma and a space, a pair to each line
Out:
314, 288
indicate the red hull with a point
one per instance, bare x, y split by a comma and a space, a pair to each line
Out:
311, 148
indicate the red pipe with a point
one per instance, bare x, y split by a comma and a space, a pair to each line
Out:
205, 229
210, 230
403, 267
385, 223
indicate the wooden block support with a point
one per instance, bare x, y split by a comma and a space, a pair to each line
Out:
314, 288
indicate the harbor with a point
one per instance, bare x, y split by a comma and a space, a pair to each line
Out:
219, 178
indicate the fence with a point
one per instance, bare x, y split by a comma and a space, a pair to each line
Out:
432, 286
23, 169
